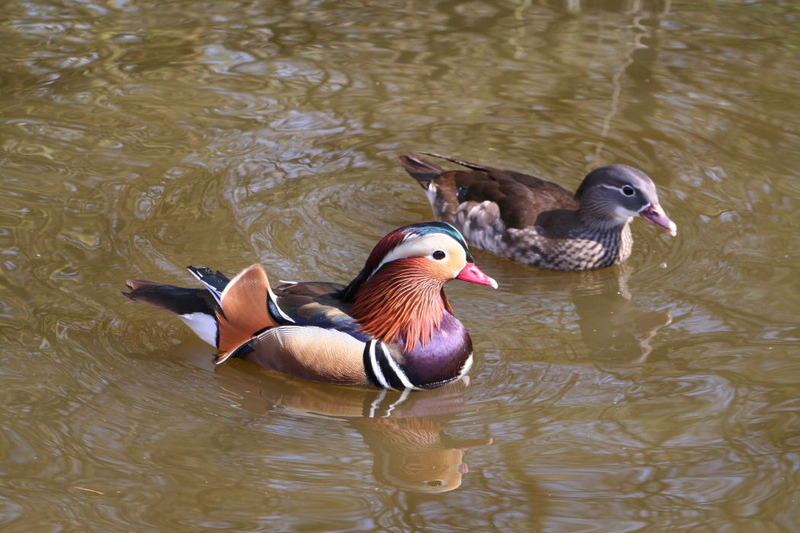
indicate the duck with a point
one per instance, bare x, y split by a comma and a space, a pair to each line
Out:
391, 327
538, 222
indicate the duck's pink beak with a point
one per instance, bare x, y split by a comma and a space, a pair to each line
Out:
473, 274
656, 214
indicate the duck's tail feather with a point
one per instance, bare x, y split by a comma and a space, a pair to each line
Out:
226, 314
420, 168
473, 166
178, 300
196, 307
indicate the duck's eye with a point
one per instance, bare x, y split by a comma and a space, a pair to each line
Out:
439, 255
627, 190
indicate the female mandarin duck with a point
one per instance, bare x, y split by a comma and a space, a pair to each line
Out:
391, 327
538, 222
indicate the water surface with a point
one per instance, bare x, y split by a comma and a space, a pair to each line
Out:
137, 137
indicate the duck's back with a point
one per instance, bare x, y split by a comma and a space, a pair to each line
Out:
521, 198
318, 304
509, 213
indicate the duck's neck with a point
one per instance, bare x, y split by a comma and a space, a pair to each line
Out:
613, 234
598, 224
401, 302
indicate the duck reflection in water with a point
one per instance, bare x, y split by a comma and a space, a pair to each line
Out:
404, 431
613, 326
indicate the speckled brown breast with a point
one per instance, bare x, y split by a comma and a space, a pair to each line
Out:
483, 227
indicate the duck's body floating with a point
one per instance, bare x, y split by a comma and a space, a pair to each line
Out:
391, 327
538, 222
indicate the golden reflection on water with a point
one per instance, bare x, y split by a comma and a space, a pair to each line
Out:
405, 432
139, 137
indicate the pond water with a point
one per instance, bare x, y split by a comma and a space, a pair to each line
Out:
137, 137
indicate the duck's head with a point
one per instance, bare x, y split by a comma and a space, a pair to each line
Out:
429, 252
612, 195
399, 294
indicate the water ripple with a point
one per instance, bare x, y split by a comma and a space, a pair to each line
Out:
139, 138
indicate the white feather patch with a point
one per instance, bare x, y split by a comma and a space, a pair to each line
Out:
274, 300
376, 368
204, 326
624, 214
398, 371
415, 245
430, 192
466, 367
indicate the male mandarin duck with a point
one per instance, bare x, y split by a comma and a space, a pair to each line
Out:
391, 327
538, 222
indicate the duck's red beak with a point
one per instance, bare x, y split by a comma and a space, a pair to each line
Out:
656, 214
473, 274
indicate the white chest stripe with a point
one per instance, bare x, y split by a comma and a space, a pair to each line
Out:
376, 368
397, 370
466, 367
378, 350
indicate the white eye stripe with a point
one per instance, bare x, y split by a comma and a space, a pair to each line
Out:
423, 246
613, 187
620, 189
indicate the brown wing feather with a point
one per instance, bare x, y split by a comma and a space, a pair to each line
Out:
244, 309
520, 197
316, 303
